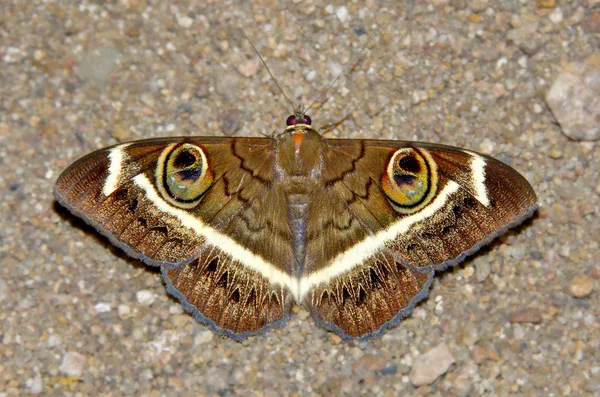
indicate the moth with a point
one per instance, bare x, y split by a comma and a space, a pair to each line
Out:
244, 228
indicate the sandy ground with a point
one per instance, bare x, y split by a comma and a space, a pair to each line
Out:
518, 318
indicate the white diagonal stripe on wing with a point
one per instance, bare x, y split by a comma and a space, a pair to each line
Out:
116, 157
219, 240
358, 253
477, 165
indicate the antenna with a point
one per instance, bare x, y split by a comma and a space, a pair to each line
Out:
352, 62
268, 70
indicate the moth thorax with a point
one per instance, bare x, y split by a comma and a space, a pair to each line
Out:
299, 152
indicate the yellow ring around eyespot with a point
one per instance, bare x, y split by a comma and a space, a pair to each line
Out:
409, 190
171, 181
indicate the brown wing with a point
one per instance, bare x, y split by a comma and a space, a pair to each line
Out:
397, 211
202, 208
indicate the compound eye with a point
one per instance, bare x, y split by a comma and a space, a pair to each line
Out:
291, 120
306, 120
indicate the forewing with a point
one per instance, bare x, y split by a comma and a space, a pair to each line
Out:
397, 211
202, 208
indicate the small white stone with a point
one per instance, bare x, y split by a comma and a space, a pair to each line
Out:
13, 55
38, 55
463, 383
102, 307
334, 68
35, 384
72, 364
342, 13
145, 297
500, 63
556, 16
54, 340
148, 100
486, 146
184, 21
574, 99
249, 67
418, 96
124, 311
468, 271
203, 337
431, 365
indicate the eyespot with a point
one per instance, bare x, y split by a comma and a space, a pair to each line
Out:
183, 175
410, 180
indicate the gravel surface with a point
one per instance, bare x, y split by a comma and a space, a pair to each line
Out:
79, 318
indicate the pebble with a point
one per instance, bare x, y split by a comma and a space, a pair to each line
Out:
419, 96
180, 320
54, 340
431, 365
102, 307
531, 316
463, 383
97, 64
369, 363
556, 16
145, 297
479, 354
342, 14
124, 311
574, 99
580, 286
527, 38
593, 384
184, 21
586, 209
203, 337
13, 55
335, 339
591, 23
232, 121
3, 290
249, 67
72, 364
467, 335
468, 271
556, 153
35, 384
480, 5
121, 133
546, 3
483, 270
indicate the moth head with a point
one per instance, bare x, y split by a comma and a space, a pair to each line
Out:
410, 180
299, 117
183, 174
294, 120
